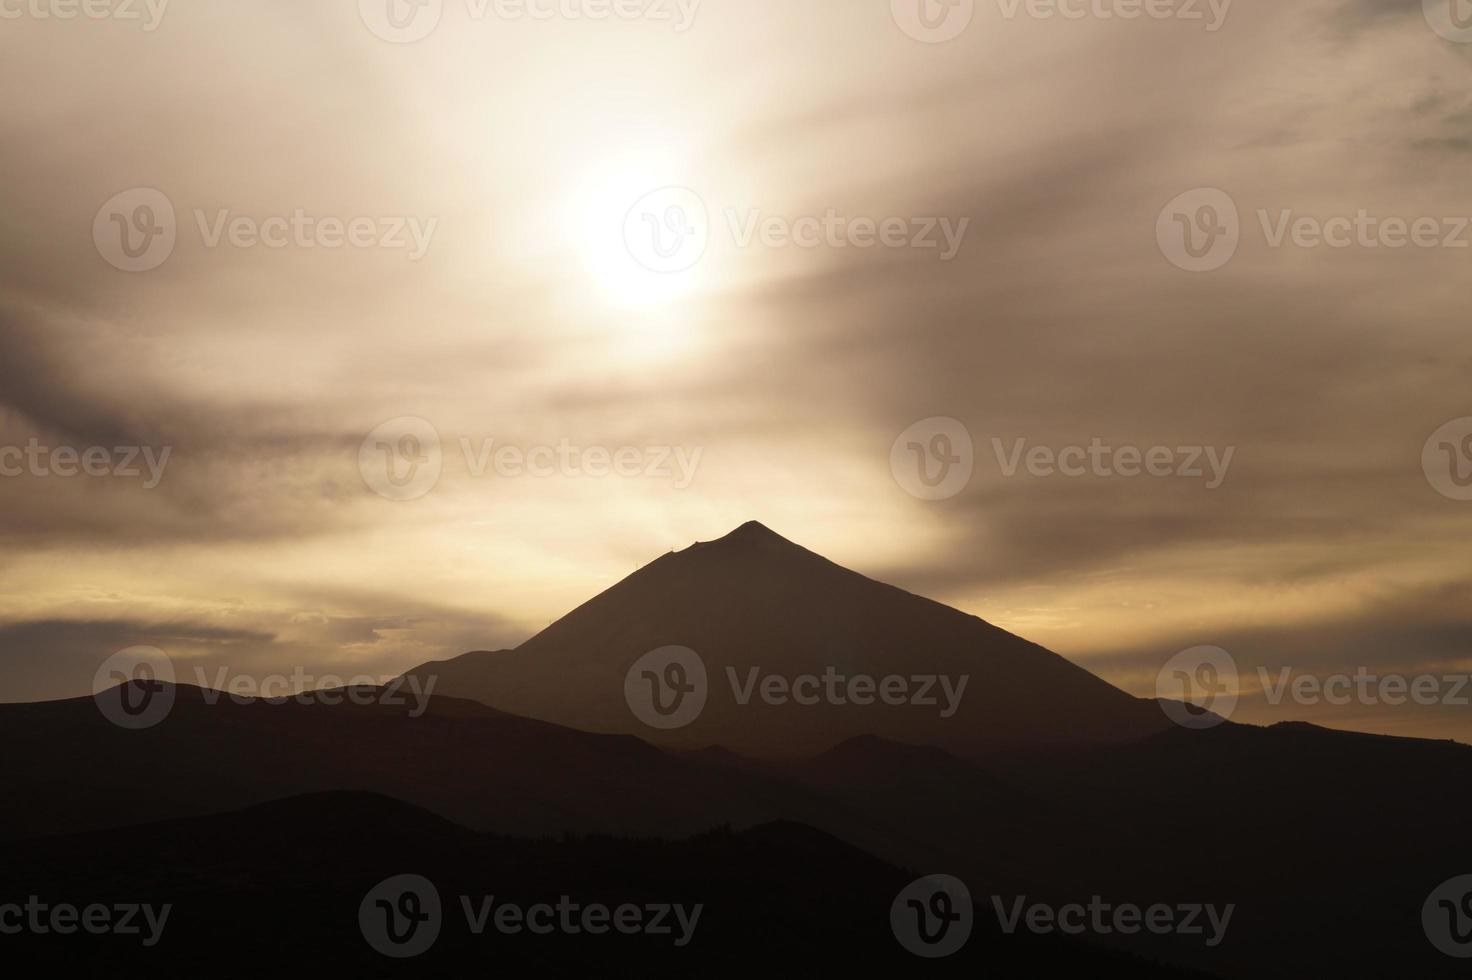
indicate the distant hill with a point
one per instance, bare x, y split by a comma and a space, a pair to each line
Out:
68, 769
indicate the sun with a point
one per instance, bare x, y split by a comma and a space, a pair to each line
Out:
640, 233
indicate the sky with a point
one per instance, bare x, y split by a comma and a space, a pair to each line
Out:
402, 330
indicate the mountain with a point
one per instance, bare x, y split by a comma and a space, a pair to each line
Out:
280, 887
1338, 835
1326, 843
68, 769
753, 606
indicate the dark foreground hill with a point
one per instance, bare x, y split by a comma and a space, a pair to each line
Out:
1326, 843
278, 890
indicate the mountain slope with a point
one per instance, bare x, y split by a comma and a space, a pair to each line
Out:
755, 600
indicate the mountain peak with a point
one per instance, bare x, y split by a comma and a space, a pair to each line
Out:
753, 531
752, 527
751, 536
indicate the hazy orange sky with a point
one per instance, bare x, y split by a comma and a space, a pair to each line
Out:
522, 149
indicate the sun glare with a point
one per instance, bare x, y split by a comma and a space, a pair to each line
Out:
640, 235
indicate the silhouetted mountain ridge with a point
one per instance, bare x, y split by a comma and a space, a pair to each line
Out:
753, 599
